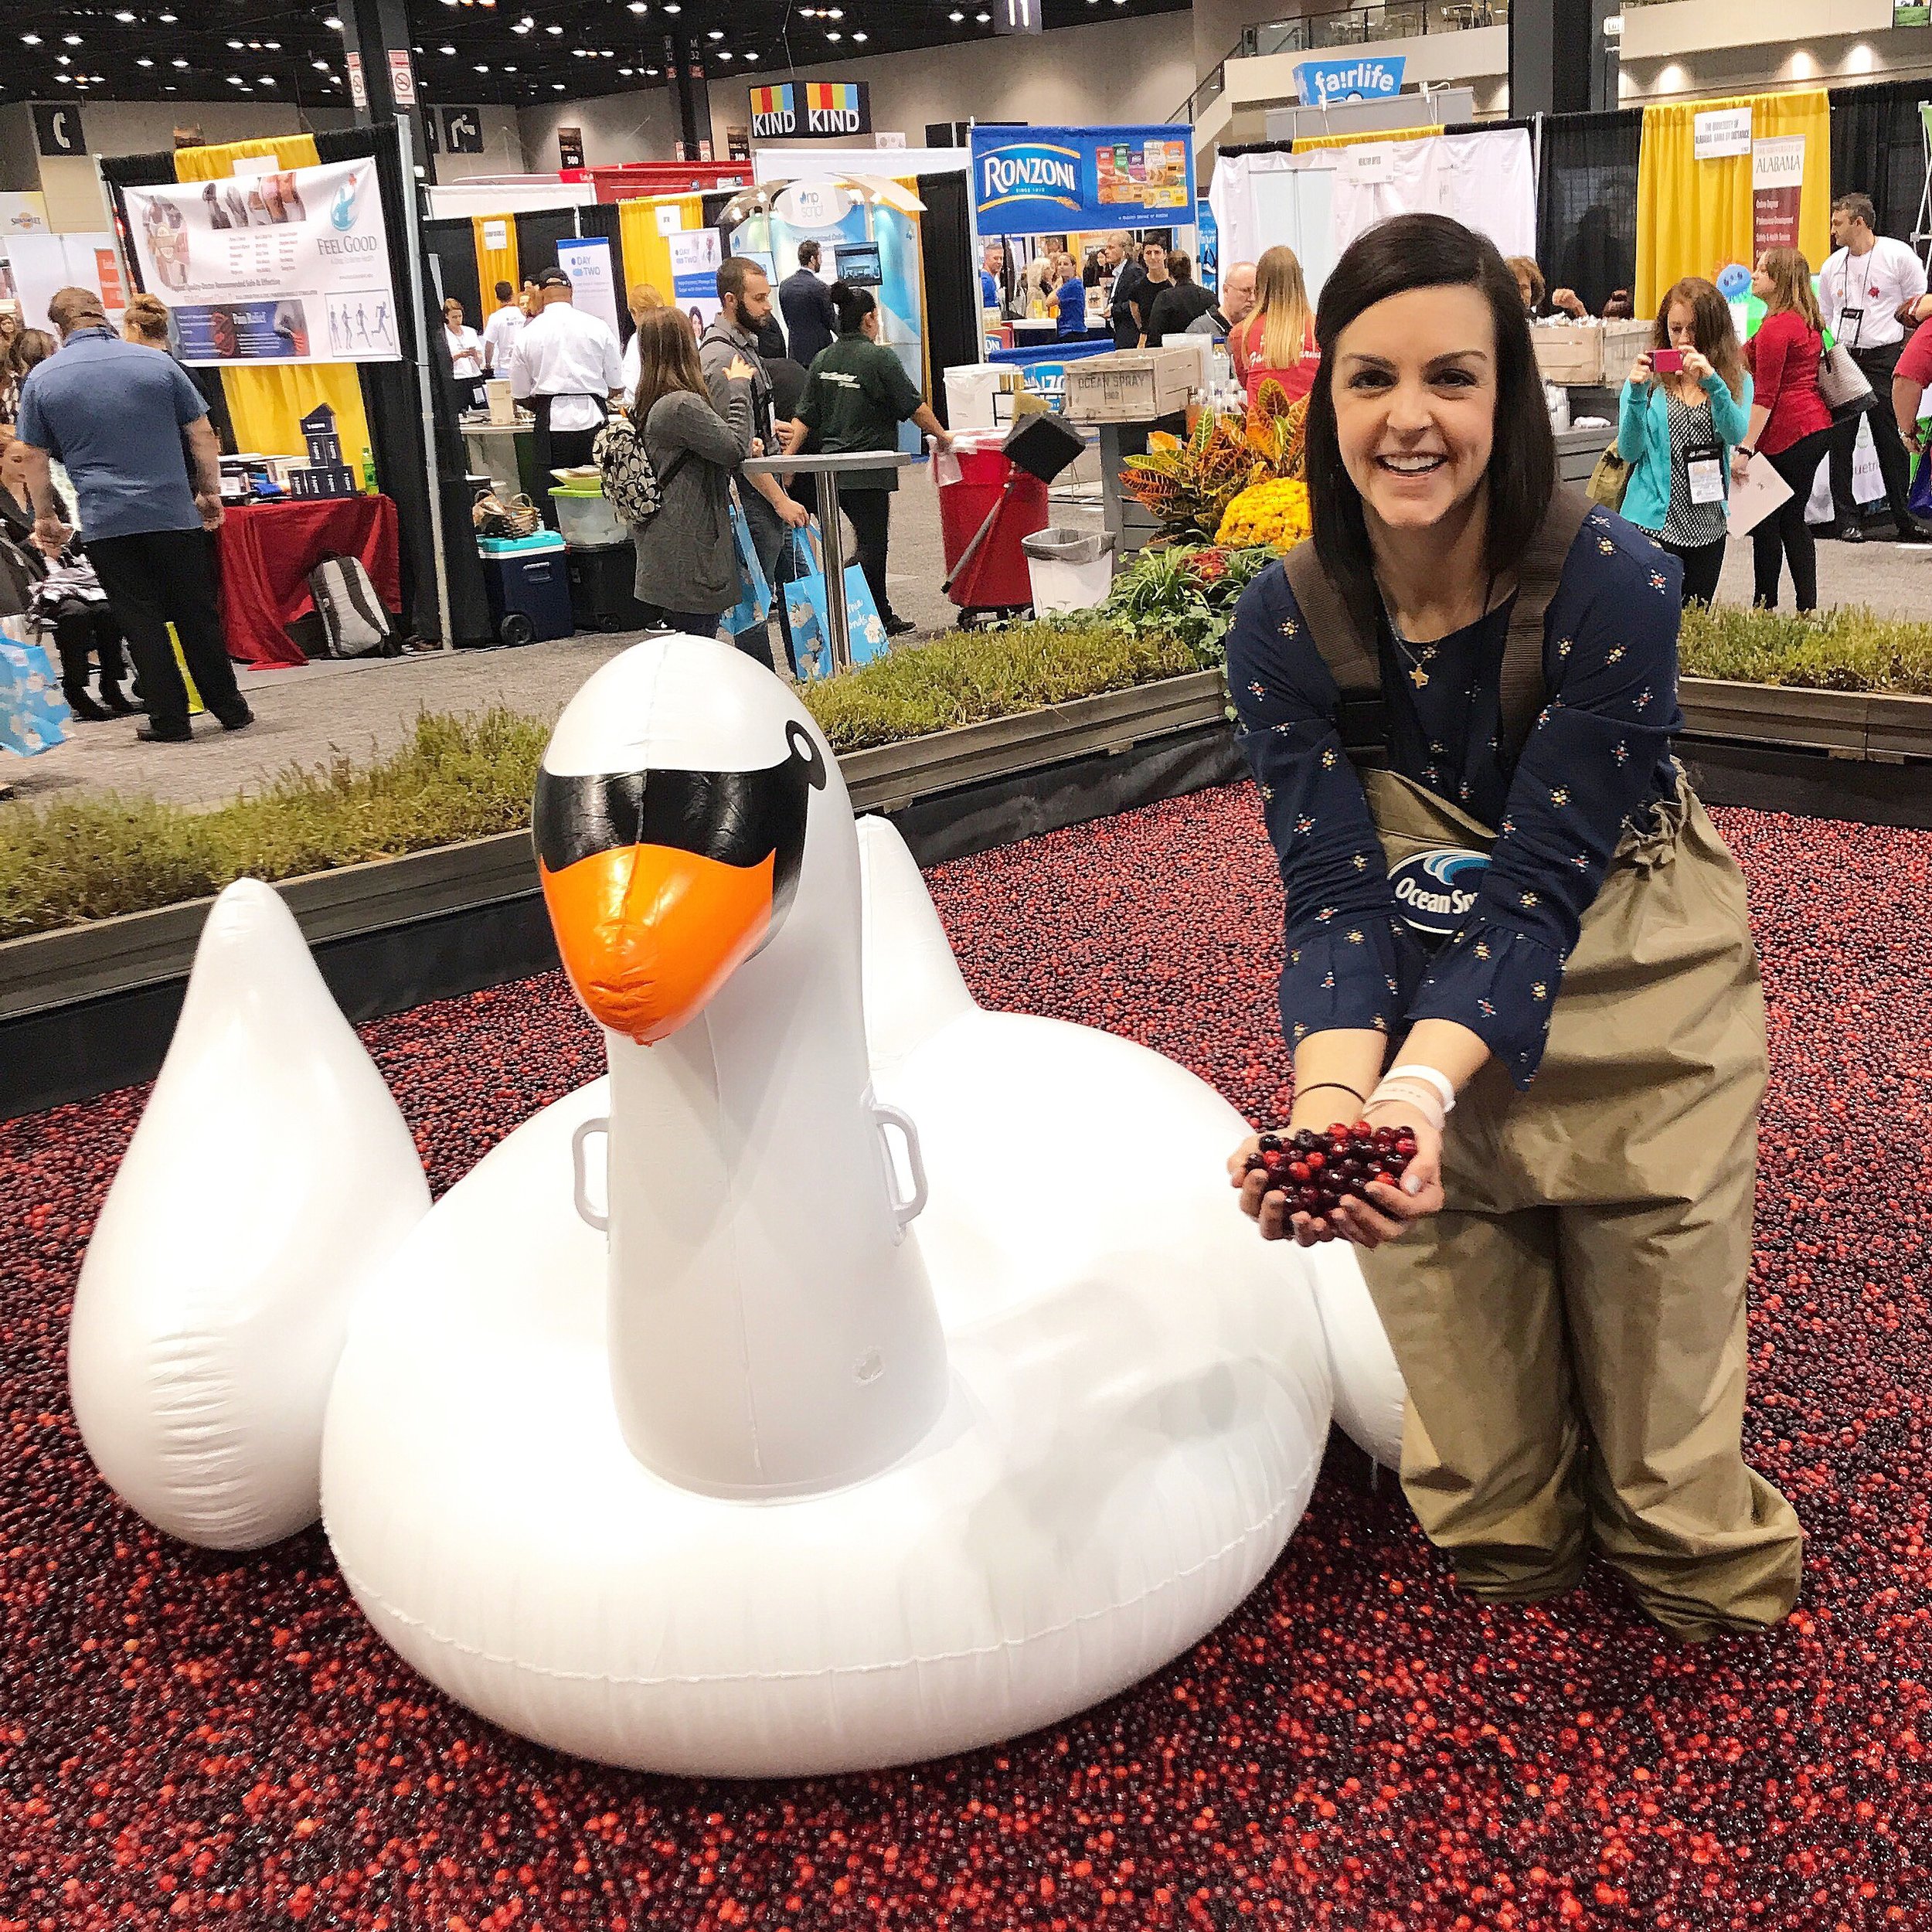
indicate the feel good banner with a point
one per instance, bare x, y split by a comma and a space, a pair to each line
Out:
1053, 180
289, 266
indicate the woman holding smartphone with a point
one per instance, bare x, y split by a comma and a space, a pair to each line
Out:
1469, 674
1684, 410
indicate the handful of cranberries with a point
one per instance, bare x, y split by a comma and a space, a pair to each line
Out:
1316, 1172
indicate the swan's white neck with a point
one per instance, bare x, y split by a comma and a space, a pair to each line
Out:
772, 1332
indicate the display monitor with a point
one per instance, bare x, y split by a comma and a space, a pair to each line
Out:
859, 264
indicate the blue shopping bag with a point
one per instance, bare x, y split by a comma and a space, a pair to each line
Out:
756, 602
34, 715
1918, 499
805, 608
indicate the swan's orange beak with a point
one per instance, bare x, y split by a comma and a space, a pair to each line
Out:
648, 933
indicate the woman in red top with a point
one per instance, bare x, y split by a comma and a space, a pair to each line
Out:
1790, 425
1276, 343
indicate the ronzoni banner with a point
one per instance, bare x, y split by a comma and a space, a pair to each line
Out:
1050, 181
290, 267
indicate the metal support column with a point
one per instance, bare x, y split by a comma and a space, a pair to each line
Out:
373, 31
690, 95
1551, 50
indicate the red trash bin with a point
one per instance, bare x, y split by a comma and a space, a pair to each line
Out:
995, 577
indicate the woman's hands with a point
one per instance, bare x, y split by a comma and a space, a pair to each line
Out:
739, 370
1740, 466
1696, 366
1419, 1195
1639, 370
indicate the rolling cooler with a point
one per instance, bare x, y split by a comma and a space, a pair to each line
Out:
1000, 497
603, 592
528, 586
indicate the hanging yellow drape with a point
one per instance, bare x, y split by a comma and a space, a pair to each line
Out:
647, 255
1309, 142
494, 265
1694, 217
267, 405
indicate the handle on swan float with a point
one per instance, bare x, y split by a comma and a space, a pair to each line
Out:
905, 1212
580, 1192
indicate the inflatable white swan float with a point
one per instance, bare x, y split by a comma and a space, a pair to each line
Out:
876, 1429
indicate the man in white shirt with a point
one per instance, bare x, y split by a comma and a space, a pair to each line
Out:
503, 327
1867, 284
567, 366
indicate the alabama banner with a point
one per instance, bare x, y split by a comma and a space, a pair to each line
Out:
284, 267
1777, 175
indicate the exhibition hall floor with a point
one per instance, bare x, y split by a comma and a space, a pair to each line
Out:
194, 1740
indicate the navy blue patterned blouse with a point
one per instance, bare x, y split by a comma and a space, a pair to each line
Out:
1598, 756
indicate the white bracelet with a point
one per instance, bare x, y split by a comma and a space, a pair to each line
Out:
1413, 1097
1415, 1070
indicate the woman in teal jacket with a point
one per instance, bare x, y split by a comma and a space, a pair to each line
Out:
1677, 429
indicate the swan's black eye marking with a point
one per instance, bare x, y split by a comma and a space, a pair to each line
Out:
804, 748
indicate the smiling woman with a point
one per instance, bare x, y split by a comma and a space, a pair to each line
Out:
1562, 1275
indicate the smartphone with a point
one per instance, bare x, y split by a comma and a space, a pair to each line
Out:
1667, 361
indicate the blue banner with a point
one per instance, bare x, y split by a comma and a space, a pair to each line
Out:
1360, 77
1053, 181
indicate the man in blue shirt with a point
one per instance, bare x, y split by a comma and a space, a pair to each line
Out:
991, 272
811, 323
118, 416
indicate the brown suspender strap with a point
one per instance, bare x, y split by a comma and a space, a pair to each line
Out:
1347, 646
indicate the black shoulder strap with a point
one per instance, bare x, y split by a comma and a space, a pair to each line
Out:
1346, 638
1537, 577
1348, 647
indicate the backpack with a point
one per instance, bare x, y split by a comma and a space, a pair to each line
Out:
631, 485
354, 623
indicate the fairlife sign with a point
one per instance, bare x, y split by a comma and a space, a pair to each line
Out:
1322, 82
811, 109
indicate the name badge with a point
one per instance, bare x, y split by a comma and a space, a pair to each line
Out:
1436, 889
1850, 321
1704, 467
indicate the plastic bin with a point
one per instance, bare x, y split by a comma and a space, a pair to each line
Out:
1070, 569
587, 521
996, 579
529, 592
603, 588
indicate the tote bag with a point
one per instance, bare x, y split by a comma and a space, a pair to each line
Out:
34, 715
755, 601
805, 608
1842, 386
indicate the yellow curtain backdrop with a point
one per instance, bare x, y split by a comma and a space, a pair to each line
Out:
494, 265
1307, 143
1694, 217
647, 255
267, 405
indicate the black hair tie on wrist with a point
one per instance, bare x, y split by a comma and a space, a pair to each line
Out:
1337, 1085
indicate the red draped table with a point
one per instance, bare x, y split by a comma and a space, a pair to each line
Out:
266, 550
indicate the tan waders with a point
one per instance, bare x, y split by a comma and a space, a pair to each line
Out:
1572, 1326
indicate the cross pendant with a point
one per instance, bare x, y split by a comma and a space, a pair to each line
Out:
1418, 677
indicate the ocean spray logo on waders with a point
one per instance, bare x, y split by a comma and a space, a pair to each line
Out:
1435, 890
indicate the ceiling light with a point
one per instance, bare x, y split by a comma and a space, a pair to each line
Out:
749, 56
553, 28
66, 59
321, 66
446, 50
180, 63
166, 19
63, 77
144, 62
716, 33
234, 81
235, 45
556, 86
333, 23
482, 66
266, 79
125, 17
522, 26
955, 17
32, 39
833, 33
982, 18
860, 36
724, 54
72, 39
509, 67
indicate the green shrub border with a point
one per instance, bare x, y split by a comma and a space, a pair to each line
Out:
461, 777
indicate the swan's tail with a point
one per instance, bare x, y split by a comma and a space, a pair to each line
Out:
270, 1179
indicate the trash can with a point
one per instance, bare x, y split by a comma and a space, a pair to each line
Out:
1070, 569
986, 505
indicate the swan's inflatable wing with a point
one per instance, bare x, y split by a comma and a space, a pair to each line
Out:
1370, 1395
270, 1177
913, 985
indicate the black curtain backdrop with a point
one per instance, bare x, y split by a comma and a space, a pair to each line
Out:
1587, 203
391, 402
1877, 150
952, 279
452, 242
538, 234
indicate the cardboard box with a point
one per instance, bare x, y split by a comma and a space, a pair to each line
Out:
1570, 352
1131, 385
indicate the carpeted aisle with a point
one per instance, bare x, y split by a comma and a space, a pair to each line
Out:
191, 1741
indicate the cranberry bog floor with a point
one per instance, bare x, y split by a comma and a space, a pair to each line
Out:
187, 1739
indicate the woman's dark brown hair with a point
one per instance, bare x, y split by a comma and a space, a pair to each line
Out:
667, 361
1429, 251
1713, 334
